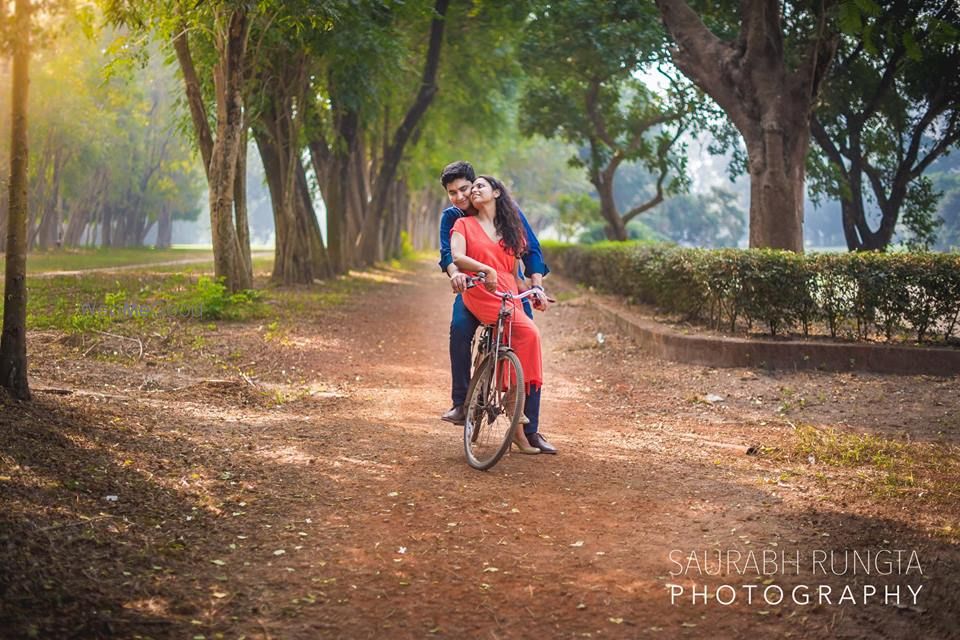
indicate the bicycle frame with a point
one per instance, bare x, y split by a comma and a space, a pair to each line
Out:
490, 398
497, 334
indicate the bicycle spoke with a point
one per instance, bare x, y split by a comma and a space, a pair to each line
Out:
493, 409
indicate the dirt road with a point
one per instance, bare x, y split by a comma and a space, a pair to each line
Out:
349, 512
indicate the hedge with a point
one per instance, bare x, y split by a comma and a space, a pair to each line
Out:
856, 295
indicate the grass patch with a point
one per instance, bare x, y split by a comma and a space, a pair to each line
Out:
80, 259
98, 301
138, 300
835, 448
886, 468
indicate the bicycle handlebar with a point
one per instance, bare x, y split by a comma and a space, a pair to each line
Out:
473, 281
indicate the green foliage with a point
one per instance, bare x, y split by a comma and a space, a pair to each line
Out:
100, 131
710, 219
406, 246
889, 108
858, 295
585, 61
210, 299
575, 211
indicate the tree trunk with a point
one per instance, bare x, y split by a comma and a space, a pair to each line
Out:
48, 231
615, 228
318, 252
228, 73
371, 245
13, 342
300, 256
82, 211
292, 262
106, 226
338, 171
776, 162
164, 229
37, 188
768, 102
241, 217
228, 218
424, 210
77, 223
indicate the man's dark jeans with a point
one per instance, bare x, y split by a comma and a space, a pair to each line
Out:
462, 327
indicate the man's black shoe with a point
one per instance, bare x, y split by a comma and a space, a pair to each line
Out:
537, 440
456, 415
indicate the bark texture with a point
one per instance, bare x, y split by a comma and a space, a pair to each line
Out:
769, 102
300, 256
228, 256
13, 342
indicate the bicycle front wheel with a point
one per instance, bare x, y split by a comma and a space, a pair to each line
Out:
493, 408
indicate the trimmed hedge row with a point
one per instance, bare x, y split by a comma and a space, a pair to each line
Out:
856, 295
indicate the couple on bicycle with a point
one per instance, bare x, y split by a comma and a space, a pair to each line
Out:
484, 232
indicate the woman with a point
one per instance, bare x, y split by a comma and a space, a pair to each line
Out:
491, 242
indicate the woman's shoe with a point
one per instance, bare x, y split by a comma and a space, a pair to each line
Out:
520, 442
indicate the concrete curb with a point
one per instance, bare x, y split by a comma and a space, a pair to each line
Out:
719, 351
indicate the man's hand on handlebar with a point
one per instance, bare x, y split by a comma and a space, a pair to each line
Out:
489, 280
541, 301
459, 281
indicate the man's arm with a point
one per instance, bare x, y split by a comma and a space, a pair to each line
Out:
534, 266
458, 281
447, 218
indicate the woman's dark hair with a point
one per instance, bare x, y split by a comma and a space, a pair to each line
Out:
507, 220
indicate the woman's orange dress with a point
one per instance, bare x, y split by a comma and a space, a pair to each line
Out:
485, 305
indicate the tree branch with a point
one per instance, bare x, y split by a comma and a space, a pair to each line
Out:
198, 111
596, 119
428, 89
714, 65
662, 153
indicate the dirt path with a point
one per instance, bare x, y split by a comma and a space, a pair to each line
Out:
350, 512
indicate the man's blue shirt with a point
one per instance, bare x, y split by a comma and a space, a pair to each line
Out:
532, 259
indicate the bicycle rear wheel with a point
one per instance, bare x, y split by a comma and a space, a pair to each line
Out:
493, 409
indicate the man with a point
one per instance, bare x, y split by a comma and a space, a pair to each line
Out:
457, 179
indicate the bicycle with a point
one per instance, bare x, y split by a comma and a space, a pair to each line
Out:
495, 395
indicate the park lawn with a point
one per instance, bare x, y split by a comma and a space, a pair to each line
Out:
262, 265
79, 259
139, 301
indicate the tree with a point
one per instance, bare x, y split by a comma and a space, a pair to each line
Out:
228, 26
356, 143
574, 213
890, 108
278, 100
710, 219
13, 343
594, 99
108, 145
766, 77
474, 117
